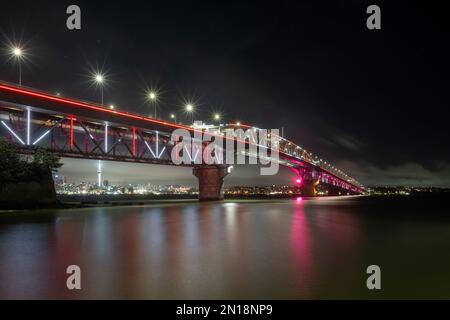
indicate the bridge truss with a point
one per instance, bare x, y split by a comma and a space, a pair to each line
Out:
72, 128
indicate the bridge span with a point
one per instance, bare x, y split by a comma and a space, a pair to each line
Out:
33, 119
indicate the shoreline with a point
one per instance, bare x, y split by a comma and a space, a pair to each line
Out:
75, 202
80, 202
91, 201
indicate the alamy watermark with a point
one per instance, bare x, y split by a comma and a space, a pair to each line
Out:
73, 22
73, 281
233, 146
374, 280
374, 20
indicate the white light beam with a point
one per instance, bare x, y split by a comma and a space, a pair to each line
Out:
13, 133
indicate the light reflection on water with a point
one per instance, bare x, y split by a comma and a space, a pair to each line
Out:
244, 249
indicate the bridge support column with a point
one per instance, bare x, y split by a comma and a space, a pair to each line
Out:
210, 181
308, 188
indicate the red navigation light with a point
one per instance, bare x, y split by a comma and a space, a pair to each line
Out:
299, 181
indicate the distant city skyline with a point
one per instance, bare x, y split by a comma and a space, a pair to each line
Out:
81, 170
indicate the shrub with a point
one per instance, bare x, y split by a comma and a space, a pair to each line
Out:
16, 168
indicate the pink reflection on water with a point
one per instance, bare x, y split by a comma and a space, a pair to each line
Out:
301, 250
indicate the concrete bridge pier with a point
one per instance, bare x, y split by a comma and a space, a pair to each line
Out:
310, 180
308, 187
210, 181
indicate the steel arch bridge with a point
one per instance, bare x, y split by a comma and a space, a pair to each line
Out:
73, 128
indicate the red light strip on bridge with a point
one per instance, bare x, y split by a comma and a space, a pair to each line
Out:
99, 108
90, 106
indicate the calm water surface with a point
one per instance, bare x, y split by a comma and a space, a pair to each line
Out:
235, 249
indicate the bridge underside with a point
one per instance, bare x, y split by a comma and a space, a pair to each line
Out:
316, 188
317, 182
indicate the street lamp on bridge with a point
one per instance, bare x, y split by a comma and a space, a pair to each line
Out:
18, 54
190, 109
99, 80
152, 96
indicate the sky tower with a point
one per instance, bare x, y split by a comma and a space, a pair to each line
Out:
99, 173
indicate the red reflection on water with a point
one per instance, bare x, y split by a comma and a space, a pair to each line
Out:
128, 259
68, 250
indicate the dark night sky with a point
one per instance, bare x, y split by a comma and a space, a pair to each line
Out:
375, 103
